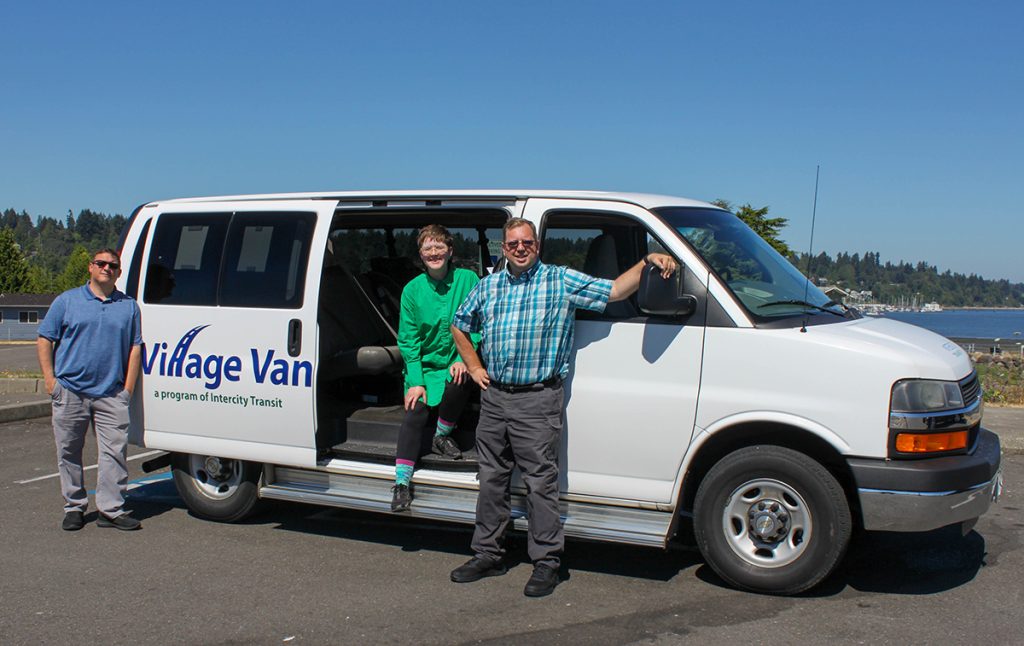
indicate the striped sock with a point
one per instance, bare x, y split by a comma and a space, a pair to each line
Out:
444, 427
403, 472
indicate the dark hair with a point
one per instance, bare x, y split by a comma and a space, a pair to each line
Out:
108, 250
434, 232
515, 223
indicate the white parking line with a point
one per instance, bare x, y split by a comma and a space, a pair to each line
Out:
88, 468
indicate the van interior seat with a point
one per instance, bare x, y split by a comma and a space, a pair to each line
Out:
602, 261
399, 269
354, 338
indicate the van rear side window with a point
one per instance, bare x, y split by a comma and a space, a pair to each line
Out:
184, 262
265, 260
233, 260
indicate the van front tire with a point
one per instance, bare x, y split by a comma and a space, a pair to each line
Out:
217, 488
769, 519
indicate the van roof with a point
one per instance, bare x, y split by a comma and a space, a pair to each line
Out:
644, 200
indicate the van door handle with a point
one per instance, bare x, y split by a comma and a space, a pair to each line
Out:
294, 337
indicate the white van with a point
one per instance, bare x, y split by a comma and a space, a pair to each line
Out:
735, 398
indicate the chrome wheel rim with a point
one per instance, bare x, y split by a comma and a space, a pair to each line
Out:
767, 523
216, 478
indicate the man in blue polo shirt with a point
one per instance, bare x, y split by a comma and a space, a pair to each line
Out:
90, 352
525, 316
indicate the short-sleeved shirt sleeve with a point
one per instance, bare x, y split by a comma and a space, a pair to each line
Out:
136, 324
467, 317
50, 328
585, 291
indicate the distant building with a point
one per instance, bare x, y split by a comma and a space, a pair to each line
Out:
21, 314
836, 293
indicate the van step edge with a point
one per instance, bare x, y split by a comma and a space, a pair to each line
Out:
581, 520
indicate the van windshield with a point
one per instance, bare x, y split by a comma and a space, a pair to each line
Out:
767, 284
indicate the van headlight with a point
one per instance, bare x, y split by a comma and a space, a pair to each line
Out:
930, 417
925, 395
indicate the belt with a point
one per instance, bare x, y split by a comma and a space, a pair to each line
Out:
521, 388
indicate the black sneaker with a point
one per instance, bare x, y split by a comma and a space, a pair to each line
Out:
123, 522
73, 521
446, 446
402, 498
542, 582
477, 568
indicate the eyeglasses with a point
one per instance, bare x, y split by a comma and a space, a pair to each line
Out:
434, 248
103, 264
512, 245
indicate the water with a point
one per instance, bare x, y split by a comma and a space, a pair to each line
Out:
1007, 325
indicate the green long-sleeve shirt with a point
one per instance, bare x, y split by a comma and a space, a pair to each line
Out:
424, 328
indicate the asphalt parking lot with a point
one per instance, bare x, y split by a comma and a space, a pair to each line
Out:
302, 574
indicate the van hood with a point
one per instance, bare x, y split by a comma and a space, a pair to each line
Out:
924, 353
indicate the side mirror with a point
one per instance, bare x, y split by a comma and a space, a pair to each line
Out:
663, 296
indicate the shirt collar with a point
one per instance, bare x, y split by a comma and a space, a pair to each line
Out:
447, 280
526, 276
87, 293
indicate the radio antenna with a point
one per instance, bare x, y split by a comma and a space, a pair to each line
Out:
810, 245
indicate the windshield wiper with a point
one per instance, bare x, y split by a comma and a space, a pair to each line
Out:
822, 308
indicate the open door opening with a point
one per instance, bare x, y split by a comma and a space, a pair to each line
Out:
370, 256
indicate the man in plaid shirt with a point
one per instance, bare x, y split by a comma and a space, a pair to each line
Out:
525, 316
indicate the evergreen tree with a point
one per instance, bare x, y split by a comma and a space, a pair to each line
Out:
13, 266
758, 220
38, 281
76, 271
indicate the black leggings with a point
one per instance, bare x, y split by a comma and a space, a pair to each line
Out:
414, 433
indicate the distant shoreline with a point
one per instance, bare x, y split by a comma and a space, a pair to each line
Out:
1009, 309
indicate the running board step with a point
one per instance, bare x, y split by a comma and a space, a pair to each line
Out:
581, 519
384, 453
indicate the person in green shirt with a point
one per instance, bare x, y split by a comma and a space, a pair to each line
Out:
435, 377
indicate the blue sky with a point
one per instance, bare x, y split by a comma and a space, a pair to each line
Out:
912, 109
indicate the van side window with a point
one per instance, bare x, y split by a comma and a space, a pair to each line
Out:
233, 260
184, 261
600, 244
265, 260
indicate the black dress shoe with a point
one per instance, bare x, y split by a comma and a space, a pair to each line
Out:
542, 582
477, 568
446, 446
123, 522
73, 521
402, 498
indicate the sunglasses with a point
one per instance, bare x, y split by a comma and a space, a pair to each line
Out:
512, 245
103, 264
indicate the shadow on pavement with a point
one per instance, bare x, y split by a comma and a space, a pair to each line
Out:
910, 562
153, 496
898, 563
414, 534
880, 562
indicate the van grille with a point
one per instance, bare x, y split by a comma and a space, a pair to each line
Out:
970, 388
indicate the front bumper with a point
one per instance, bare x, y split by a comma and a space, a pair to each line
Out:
921, 495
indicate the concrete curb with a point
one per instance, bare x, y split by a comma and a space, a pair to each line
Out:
18, 412
21, 385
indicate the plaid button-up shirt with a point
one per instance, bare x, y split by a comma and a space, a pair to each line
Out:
526, 321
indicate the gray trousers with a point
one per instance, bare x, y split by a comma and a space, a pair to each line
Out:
72, 414
519, 429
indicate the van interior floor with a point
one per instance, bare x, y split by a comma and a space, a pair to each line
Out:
371, 435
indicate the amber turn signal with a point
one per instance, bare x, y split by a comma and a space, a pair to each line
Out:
930, 442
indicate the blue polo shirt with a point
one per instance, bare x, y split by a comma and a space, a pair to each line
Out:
93, 339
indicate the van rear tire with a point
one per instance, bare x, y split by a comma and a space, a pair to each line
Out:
215, 488
772, 520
